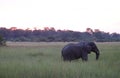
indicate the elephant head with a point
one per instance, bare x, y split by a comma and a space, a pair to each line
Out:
94, 49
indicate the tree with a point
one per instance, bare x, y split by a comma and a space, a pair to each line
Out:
52, 35
115, 36
2, 41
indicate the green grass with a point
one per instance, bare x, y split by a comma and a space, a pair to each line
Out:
43, 60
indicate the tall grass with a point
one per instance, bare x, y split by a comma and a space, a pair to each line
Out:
43, 60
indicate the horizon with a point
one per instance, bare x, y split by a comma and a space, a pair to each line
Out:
73, 15
49, 28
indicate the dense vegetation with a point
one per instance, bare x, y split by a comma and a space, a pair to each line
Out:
43, 60
52, 35
2, 41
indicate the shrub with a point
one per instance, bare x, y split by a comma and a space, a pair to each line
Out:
2, 41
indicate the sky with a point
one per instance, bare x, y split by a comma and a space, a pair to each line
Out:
74, 15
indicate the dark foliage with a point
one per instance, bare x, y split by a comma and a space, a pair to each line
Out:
2, 41
52, 35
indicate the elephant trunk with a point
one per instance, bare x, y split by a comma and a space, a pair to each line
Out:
97, 55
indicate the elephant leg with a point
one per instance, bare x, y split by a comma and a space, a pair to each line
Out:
67, 59
84, 56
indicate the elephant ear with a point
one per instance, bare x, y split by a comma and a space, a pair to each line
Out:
88, 49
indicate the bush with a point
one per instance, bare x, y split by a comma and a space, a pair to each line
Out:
2, 41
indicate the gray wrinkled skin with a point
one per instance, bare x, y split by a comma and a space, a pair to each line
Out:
80, 50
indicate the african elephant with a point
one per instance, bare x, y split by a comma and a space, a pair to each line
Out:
79, 50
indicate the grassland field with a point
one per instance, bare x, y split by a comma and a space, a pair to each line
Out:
43, 60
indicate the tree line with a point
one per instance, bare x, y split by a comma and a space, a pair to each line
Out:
52, 35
